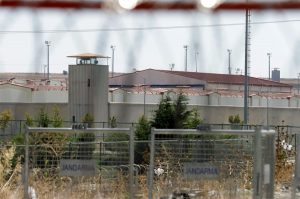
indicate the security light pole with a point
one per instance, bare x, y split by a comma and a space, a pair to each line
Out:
196, 59
144, 97
246, 70
229, 63
269, 57
112, 60
298, 82
186, 48
48, 66
45, 66
269, 64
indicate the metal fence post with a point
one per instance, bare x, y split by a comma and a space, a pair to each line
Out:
297, 168
269, 164
151, 165
26, 172
257, 174
131, 162
20, 126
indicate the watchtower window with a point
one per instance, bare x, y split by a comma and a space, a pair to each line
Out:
82, 61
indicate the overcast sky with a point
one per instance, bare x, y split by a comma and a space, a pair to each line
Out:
150, 40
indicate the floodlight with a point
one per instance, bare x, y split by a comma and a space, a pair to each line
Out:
209, 3
128, 4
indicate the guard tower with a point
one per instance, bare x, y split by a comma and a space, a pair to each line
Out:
88, 87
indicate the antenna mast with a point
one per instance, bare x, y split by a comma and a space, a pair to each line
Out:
247, 68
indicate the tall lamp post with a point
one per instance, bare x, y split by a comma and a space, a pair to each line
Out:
269, 58
48, 65
144, 97
112, 60
196, 59
269, 66
229, 61
144, 88
186, 49
45, 66
298, 83
246, 88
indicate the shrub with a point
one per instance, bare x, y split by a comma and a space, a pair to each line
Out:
193, 120
235, 121
142, 133
85, 150
113, 122
57, 120
47, 148
5, 117
43, 118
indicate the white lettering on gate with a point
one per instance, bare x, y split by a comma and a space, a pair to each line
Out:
200, 171
77, 167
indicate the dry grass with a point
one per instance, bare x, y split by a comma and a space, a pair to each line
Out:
284, 168
52, 186
10, 178
79, 187
210, 189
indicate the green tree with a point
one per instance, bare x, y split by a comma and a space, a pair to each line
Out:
181, 113
5, 117
142, 133
164, 116
43, 118
193, 120
143, 129
57, 120
171, 114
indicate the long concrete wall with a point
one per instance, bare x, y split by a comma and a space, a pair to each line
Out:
19, 109
212, 114
129, 113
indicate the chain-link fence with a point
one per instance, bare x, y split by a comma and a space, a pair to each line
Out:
11, 162
108, 163
79, 163
212, 164
296, 180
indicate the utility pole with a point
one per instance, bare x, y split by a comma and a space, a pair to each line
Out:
298, 82
246, 68
45, 66
144, 97
269, 57
269, 64
186, 49
172, 66
112, 60
229, 63
48, 65
196, 59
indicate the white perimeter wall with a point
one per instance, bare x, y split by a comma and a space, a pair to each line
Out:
129, 113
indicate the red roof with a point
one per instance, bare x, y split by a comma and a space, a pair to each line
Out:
227, 79
88, 56
18, 85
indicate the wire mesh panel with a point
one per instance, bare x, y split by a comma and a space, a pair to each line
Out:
296, 182
11, 160
86, 163
215, 164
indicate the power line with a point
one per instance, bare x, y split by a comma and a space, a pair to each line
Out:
141, 28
